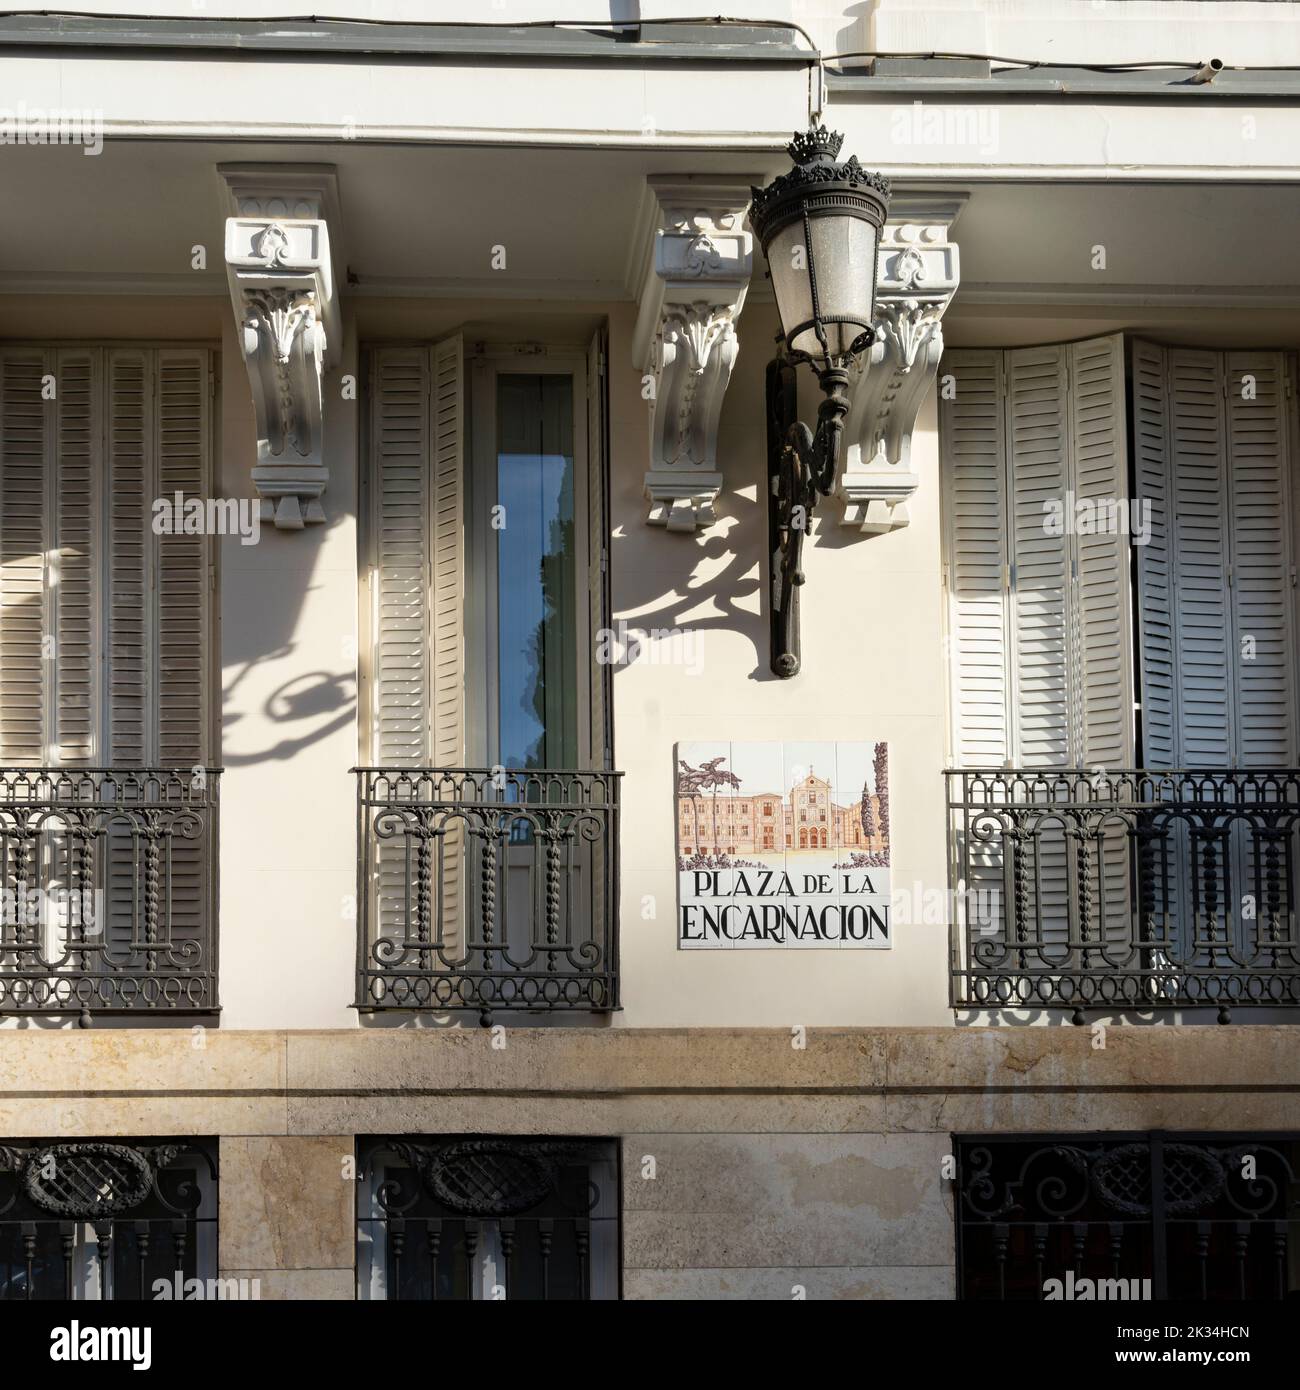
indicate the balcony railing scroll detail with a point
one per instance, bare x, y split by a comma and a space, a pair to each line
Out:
108, 890
1135, 890
487, 889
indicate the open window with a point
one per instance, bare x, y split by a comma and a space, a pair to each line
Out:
489, 810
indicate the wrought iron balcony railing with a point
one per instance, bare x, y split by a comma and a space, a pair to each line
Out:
487, 889
108, 891
1128, 890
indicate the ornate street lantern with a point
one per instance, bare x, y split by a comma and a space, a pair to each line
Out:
819, 226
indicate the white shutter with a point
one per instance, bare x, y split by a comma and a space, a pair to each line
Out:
400, 484
180, 700
129, 494
76, 557
1221, 510
121, 613
1101, 644
417, 533
600, 749
1034, 447
1198, 461
158, 408
103, 626
1259, 501
25, 445
417, 536
1221, 514
448, 532
974, 513
1040, 669
1155, 560
447, 605
975, 525
1037, 450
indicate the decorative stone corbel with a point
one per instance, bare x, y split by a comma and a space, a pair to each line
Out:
278, 261
917, 277
695, 274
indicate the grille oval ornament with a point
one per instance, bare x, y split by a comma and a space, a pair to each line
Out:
488, 1179
87, 1180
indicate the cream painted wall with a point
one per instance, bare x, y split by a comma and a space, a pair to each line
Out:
873, 669
289, 681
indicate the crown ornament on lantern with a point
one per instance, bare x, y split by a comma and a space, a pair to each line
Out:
815, 153
816, 145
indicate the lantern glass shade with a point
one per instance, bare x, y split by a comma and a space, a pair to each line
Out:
824, 270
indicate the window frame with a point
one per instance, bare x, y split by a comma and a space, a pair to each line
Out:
482, 606
371, 1233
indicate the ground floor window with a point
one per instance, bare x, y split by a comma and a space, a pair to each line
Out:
104, 1219
1143, 1216
467, 1218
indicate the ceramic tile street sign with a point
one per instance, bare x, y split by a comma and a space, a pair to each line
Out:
783, 846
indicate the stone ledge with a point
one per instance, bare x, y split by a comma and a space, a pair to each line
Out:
296, 1067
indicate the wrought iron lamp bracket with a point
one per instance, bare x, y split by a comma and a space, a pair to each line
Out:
804, 470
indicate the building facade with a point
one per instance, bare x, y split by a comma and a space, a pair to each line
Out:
392, 424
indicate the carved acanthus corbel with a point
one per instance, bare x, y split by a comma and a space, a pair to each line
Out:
917, 277
695, 276
282, 287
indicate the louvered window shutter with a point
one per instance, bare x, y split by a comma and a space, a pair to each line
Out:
1101, 639
417, 531
417, 540
1217, 642
400, 486
1261, 594
601, 743
1156, 560
156, 616
1038, 614
1038, 466
975, 525
75, 556
1200, 544
448, 532
1035, 468
28, 445
131, 471
103, 625
182, 402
